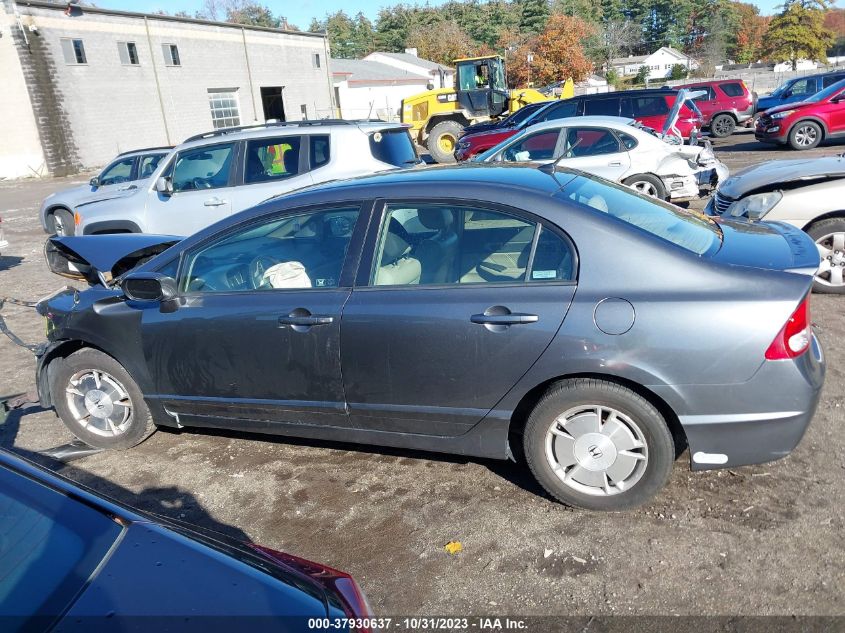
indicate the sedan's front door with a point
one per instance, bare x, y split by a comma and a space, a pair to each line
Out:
457, 304
597, 151
203, 185
255, 340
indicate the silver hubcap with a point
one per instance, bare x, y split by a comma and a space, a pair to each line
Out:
645, 187
806, 135
99, 403
596, 450
832, 251
59, 225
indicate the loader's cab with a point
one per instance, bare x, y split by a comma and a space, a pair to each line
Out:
481, 87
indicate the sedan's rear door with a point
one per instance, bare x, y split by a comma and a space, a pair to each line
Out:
454, 303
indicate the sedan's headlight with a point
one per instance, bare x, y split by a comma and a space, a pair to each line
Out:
756, 206
782, 115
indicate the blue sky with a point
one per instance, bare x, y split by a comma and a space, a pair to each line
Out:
300, 12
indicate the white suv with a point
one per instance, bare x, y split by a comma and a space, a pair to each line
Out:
128, 171
213, 175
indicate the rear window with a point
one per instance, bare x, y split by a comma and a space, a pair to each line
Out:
393, 147
689, 230
732, 89
49, 547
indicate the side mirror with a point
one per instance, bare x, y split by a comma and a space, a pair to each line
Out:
786, 94
148, 287
164, 185
94, 182
838, 98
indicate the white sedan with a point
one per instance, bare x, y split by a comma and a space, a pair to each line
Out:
617, 149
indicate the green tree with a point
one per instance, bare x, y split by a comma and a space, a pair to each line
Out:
253, 14
534, 15
349, 38
678, 71
798, 32
442, 43
642, 75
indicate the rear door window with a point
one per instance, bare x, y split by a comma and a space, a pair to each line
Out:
271, 159
732, 89
607, 107
318, 151
831, 79
393, 147
50, 546
590, 141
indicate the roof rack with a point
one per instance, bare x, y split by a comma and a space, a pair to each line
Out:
145, 149
280, 124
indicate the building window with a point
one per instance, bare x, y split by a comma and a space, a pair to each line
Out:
74, 52
316, 60
128, 52
304, 110
171, 55
225, 111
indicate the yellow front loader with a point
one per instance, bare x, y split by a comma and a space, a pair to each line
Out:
438, 117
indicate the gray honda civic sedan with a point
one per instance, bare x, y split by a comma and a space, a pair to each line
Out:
491, 311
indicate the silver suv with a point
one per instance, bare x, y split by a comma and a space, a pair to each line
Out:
128, 171
211, 176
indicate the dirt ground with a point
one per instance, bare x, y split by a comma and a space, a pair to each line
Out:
755, 540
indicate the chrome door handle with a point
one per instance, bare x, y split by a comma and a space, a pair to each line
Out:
515, 318
214, 202
616, 163
127, 187
305, 320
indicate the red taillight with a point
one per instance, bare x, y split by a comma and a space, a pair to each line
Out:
341, 584
794, 338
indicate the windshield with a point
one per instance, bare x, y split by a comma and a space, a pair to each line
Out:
690, 230
828, 92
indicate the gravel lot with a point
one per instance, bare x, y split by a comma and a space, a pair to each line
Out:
756, 540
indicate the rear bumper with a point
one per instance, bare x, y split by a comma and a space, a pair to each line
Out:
762, 420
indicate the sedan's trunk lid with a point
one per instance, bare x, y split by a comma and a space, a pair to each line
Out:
767, 245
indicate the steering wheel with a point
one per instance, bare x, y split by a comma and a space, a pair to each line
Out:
199, 183
257, 267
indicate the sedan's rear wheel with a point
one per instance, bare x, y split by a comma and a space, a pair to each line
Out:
647, 185
829, 236
99, 402
598, 445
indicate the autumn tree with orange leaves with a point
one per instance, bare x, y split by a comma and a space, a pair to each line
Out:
558, 53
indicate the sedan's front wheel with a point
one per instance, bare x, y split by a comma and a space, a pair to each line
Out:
99, 402
598, 445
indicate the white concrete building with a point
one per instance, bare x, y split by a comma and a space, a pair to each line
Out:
374, 87
659, 63
81, 86
368, 89
438, 75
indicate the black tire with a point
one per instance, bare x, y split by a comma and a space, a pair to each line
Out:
805, 135
647, 185
820, 231
445, 129
138, 425
60, 219
576, 392
722, 125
